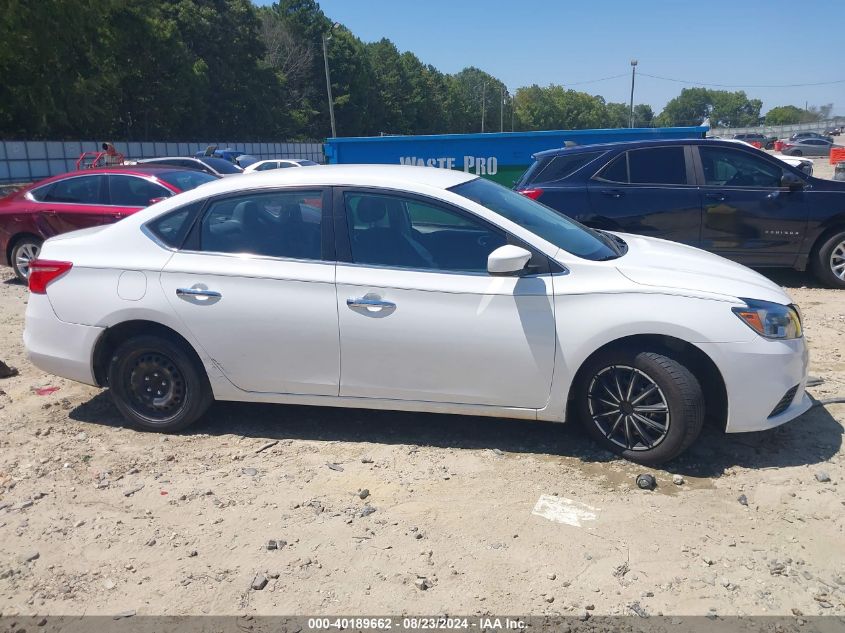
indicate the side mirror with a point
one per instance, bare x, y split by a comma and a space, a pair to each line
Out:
791, 181
507, 260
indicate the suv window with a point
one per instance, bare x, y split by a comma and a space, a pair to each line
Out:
616, 170
731, 168
387, 230
562, 166
131, 191
277, 224
657, 165
76, 190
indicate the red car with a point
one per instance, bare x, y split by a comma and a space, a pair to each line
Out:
79, 200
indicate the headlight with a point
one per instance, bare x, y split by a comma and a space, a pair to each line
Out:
771, 320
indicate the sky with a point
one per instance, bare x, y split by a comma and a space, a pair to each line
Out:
740, 43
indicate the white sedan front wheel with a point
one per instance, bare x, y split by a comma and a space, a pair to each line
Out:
642, 405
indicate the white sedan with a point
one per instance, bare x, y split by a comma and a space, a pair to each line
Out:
417, 289
278, 163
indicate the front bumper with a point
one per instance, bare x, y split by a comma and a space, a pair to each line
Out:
63, 349
757, 374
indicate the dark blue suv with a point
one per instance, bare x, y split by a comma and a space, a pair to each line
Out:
722, 196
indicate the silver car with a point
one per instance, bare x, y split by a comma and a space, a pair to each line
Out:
808, 147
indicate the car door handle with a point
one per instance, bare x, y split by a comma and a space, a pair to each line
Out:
370, 303
198, 292
719, 197
612, 193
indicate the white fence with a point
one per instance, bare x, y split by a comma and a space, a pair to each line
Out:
781, 131
24, 161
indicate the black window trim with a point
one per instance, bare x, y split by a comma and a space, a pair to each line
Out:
539, 264
689, 170
191, 243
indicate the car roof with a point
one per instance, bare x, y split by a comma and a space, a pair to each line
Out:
131, 170
381, 176
656, 142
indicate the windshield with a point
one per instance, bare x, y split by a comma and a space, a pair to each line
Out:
186, 179
561, 231
220, 165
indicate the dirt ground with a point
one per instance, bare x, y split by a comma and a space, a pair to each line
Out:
96, 518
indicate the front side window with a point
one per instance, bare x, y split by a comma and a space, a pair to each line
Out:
724, 167
78, 190
131, 191
544, 222
277, 224
387, 230
185, 180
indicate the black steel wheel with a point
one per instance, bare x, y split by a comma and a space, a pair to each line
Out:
157, 385
642, 405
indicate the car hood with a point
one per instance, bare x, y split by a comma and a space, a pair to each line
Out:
660, 263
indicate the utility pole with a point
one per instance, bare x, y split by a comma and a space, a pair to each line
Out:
483, 103
326, 38
502, 111
633, 77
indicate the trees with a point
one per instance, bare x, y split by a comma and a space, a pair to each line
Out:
725, 109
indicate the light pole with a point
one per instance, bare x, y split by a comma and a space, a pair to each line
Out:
326, 38
633, 77
483, 103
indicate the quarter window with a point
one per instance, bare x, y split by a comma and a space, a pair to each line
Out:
278, 224
408, 233
172, 228
724, 167
563, 166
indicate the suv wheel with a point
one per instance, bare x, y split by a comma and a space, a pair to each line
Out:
642, 405
829, 263
24, 252
156, 385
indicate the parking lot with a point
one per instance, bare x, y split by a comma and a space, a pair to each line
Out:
102, 519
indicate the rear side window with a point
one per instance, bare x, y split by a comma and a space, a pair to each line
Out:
616, 170
649, 166
278, 224
562, 166
172, 228
658, 165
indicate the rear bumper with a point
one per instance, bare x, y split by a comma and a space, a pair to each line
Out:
63, 349
757, 374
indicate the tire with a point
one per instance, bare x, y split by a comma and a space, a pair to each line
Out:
829, 261
666, 384
184, 391
25, 250
797, 152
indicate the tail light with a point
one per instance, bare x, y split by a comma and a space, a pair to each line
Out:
787, 145
534, 194
44, 271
